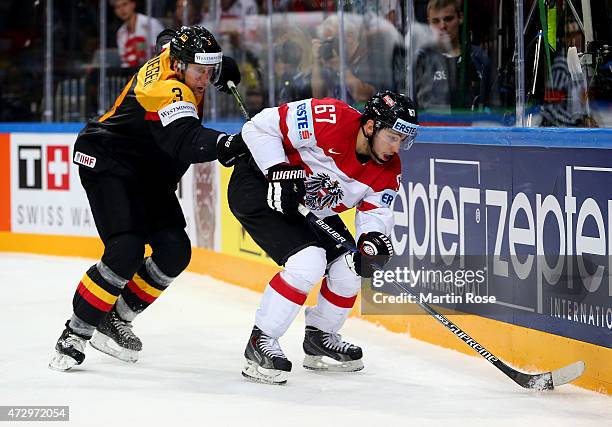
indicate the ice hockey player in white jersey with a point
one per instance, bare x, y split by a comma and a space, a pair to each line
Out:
330, 157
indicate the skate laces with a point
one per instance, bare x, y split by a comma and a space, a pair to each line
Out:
123, 326
270, 346
334, 342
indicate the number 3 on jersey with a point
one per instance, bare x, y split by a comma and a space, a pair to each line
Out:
178, 94
327, 111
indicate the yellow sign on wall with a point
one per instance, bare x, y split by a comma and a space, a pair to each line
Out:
234, 238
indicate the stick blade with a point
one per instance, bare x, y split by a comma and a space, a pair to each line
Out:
549, 380
568, 373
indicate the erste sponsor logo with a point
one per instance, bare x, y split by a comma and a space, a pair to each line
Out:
303, 122
404, 127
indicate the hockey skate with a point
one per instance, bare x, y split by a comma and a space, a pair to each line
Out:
69, 350
327, 352
265, 360
114, 337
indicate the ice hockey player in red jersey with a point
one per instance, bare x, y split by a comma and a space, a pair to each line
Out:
330, 157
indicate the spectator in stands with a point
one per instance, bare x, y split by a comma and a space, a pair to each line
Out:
136, 37
300, 5
362, 75
292, 63
566, 102
187, 12
444, 82
387, 9
162, 8
237, 8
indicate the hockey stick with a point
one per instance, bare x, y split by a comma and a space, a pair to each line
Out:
238, 98
544, 381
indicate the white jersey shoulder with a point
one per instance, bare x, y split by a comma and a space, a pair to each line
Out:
300, 125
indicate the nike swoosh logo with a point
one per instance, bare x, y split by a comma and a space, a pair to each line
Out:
332, 151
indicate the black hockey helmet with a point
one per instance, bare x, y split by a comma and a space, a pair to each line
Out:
196, 45
395, 111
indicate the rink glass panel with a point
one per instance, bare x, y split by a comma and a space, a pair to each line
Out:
368, 45
22, 55
567, 87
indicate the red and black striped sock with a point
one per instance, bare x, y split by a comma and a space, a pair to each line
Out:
96, 294
145, 287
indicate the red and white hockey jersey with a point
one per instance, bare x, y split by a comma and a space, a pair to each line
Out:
320, 135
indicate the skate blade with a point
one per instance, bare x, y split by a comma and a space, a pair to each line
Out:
62, 362
317, 363
107, 345
254, 372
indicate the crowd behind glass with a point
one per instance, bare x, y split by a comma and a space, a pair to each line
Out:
458, 60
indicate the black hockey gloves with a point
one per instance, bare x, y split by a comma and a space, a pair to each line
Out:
229, 71
286, 188
230, 148
374, 247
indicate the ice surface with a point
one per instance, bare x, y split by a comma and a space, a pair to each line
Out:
189, 370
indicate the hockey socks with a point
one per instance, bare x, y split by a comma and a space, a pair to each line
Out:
114, 335
96, 294
145, 287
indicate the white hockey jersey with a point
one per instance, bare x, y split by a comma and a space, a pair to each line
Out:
320, 135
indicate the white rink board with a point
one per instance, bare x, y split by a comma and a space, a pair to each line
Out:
46, 192
189, 371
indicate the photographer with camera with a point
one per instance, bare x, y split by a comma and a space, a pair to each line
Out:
292, 65
360, 73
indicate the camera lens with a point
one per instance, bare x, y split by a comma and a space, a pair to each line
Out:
328, 49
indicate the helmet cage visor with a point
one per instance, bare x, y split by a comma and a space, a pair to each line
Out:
405, 128
213, 59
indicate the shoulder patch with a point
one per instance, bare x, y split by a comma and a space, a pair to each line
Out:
162, 93
387, 197
175, 111
302, 126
